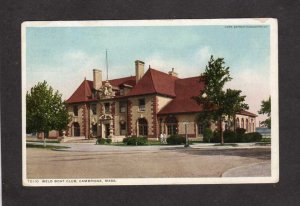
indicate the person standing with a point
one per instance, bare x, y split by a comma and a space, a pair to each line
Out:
161, 137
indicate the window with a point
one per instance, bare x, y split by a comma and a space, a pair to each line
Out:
172, 125
123, 128
75, 110
106, 107
200, 128
123, 106
247, 125
121, 92
242, 126
94, 109
143, 127
141, 104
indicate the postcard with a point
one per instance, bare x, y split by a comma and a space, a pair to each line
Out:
150, 102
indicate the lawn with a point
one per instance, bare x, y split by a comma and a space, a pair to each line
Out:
28, 145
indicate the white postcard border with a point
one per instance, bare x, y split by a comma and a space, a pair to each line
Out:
274, 178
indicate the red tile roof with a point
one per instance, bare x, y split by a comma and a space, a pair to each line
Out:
84, 92
125, 80
243, 112
185, 89
154, 82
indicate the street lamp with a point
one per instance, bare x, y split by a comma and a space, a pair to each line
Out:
186, 136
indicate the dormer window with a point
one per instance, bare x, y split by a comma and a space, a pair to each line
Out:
141, 105
122, 92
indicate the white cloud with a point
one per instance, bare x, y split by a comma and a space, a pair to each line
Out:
256, 87
66, 78
202, 57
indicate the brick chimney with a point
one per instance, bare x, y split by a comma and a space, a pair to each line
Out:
139, 70
172, 73
97, 79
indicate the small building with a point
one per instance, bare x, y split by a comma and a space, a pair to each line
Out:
147, 104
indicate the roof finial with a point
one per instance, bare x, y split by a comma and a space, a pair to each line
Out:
149, 66
84, 78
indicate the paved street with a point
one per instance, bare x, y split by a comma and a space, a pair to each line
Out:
101, 161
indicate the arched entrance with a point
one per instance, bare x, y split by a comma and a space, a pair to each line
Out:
76, 129
242, 125
237, 123
172, 125
142, 127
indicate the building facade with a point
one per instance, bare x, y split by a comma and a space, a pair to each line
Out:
147, 104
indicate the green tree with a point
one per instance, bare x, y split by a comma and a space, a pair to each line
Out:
234, 102
215, 101
45, 110
265, 108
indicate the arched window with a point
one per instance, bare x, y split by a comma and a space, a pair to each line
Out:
247, 125
76, 129
143, 127
242, 126
172, 125
237, 123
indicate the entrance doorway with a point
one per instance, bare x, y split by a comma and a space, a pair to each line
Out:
143, 127
94, 130
107, 132
76, 129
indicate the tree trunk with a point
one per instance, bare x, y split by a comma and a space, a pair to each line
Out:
234, 123
221, 131
45, 136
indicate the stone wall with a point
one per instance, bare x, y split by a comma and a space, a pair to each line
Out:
135, 114
78, 119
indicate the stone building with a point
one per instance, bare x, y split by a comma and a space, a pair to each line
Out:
146, 104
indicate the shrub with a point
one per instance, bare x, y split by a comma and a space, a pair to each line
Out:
175, 140
207, 135
100, 141
108, 141
239, 134
125, 140
216, 137
252, 137
134, 140
229, 136
266, 140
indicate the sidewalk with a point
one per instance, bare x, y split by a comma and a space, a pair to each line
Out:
254, 170
92, 147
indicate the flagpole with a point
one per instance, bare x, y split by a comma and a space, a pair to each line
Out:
106, 65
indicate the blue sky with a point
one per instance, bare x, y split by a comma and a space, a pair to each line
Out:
63, 56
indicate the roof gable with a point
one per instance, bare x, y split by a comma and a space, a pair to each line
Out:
154, 82
83, 93
185, 90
